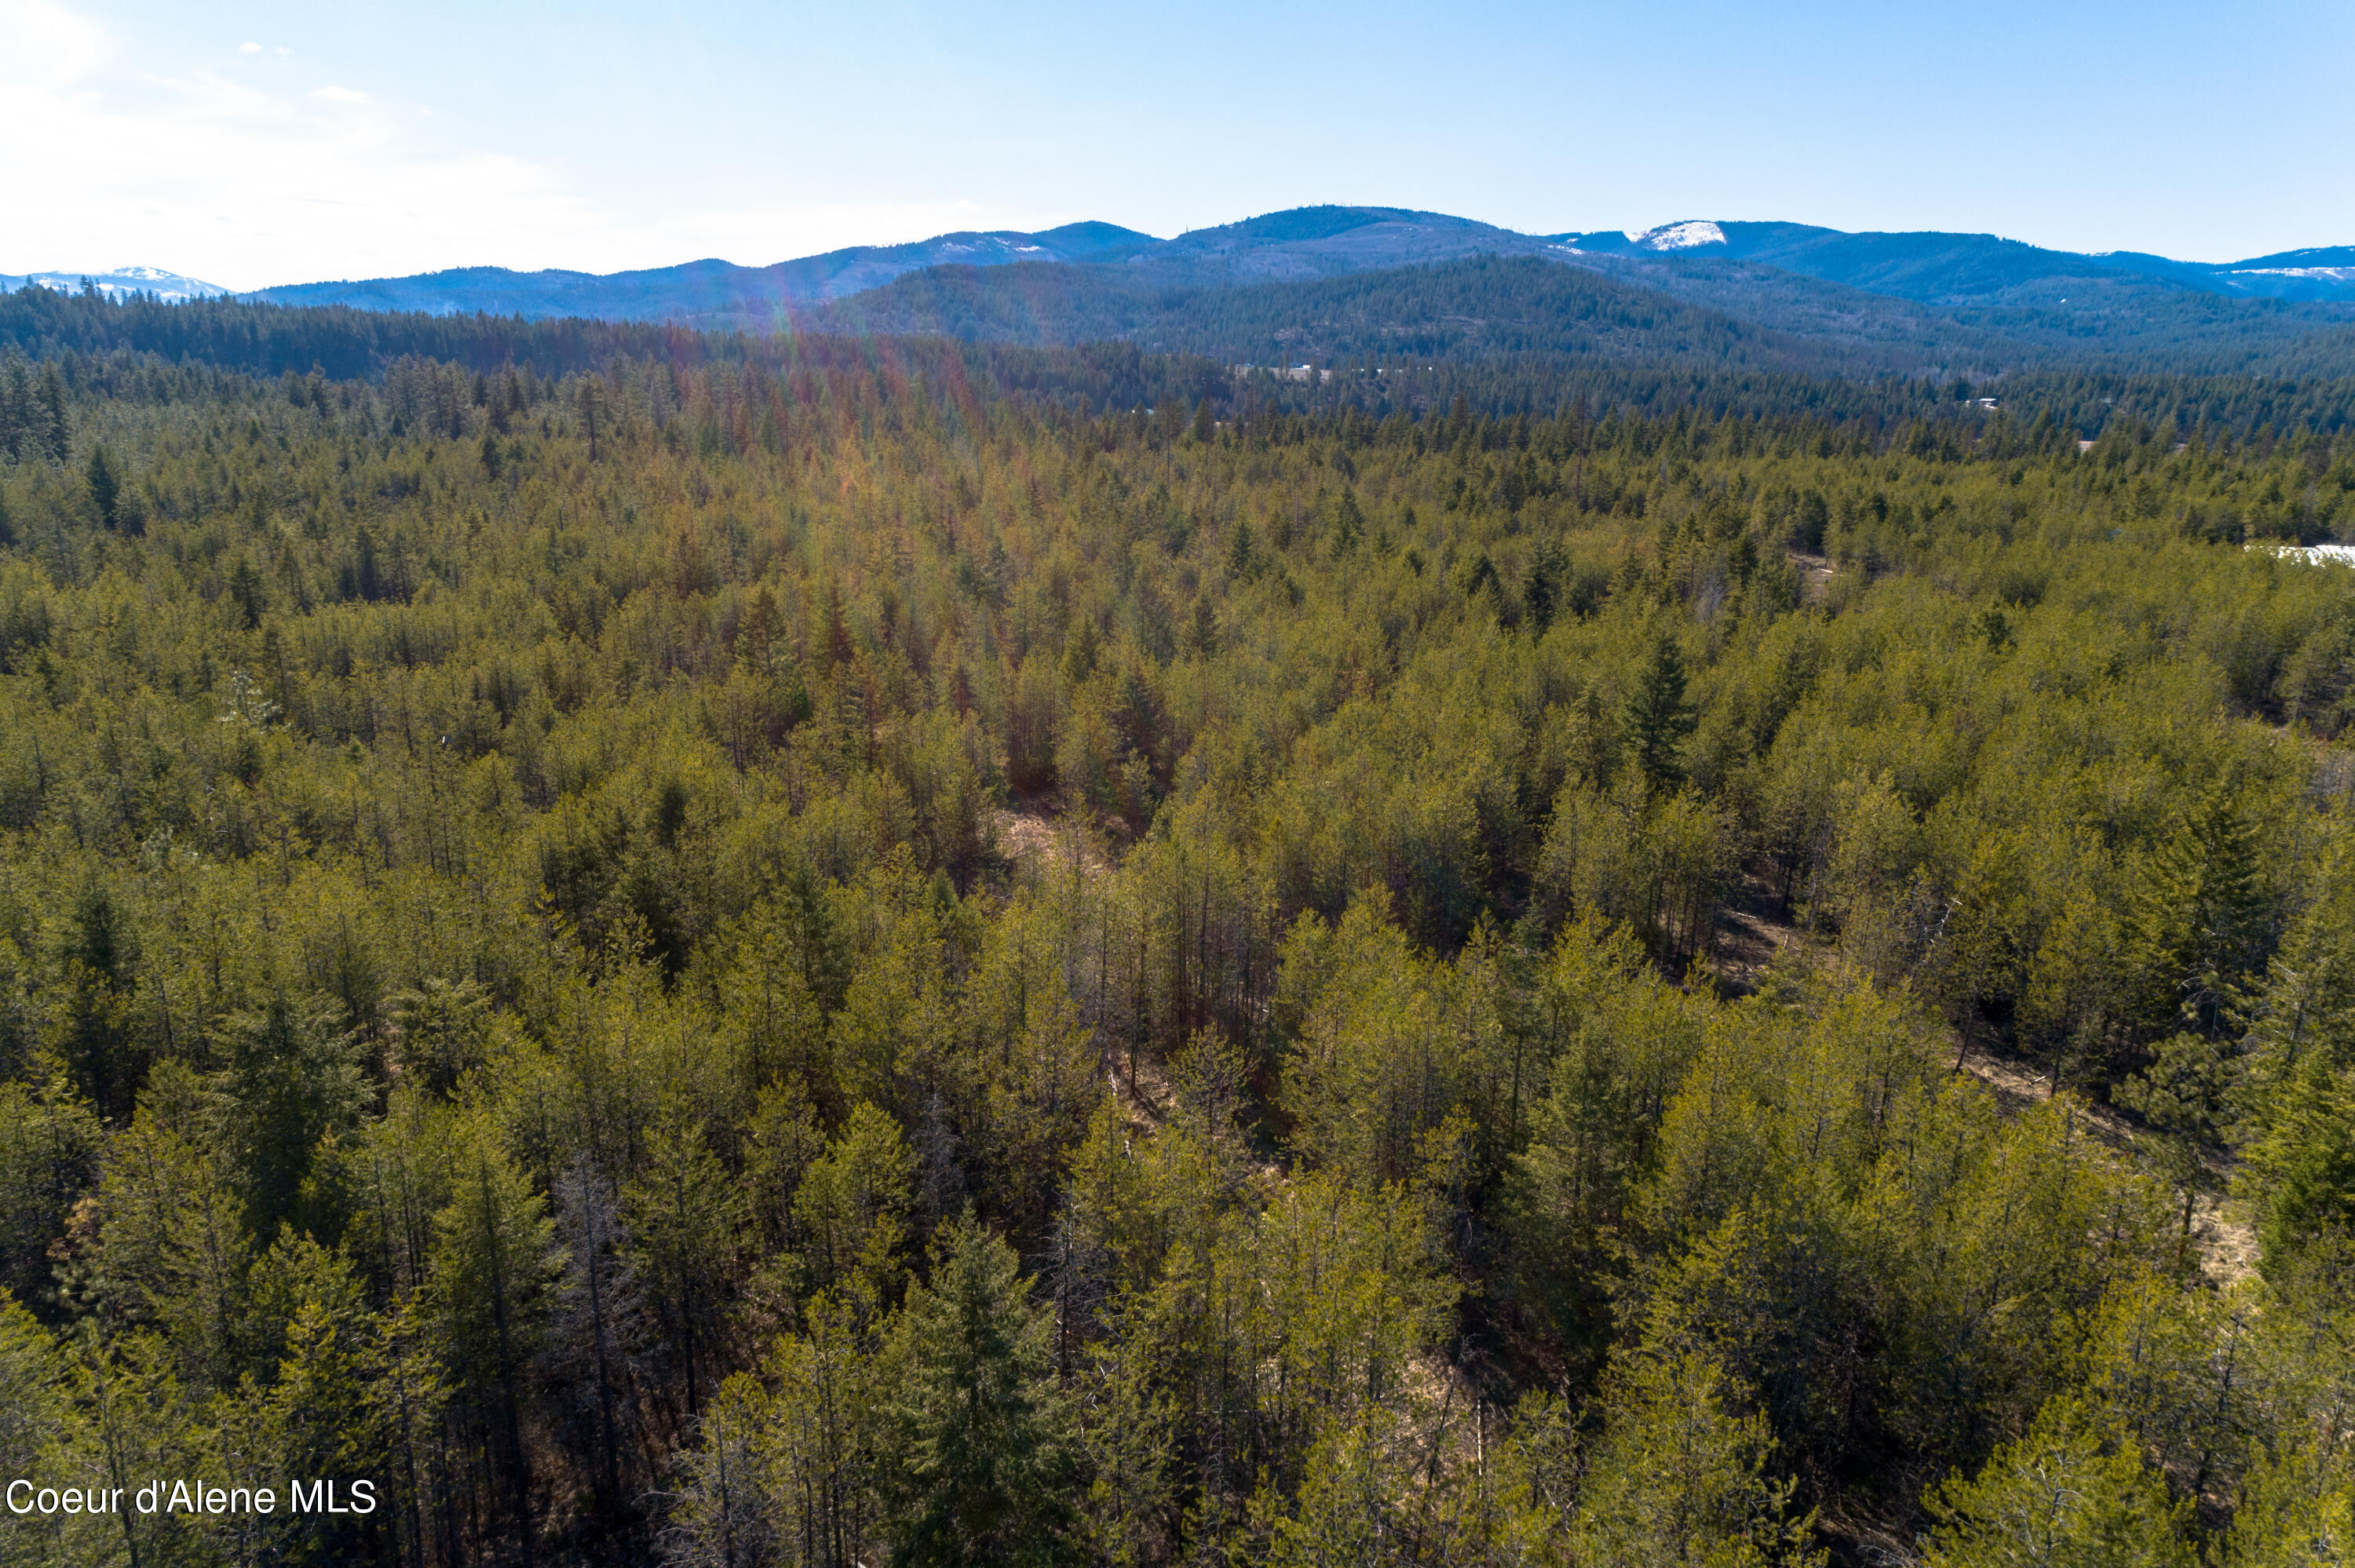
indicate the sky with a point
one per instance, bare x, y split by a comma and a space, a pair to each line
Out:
253, 144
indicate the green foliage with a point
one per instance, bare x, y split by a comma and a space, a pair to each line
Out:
766, 954
1658, 718
975, 1415
1676, 1477
2071, 1492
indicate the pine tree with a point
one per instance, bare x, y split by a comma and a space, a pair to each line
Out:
977, 1417
2305, 1166
19, 409
50, 1146
1082, 646
851, 1205
593, 1354
245, 591
838, 646
684, 1214
105, 485
1202, 633
1540, 586
2072, 1491
2297, 1510
1659, 719
1349, 524
443, 1032
1241, 561
492, 1259
43, 1432
50, 419
725, 1514
2185, 1097
2197, 916
589, 398
173, 1254
1679, 1478
326, 1426
293, 1077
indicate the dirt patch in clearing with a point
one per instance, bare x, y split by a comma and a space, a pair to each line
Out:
1751, 937
1147, 1097
1036, 838
1815, 575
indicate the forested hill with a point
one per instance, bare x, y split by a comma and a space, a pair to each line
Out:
1982, 267
702, 288
1328, 241
1482, 309
713, 965
1328, 283
100, 337
1576, 340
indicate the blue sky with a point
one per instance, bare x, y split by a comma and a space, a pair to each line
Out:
259, 143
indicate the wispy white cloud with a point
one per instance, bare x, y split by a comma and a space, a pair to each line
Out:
231, 174
230, 179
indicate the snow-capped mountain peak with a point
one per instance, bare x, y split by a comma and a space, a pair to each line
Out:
174, 288
1677, 235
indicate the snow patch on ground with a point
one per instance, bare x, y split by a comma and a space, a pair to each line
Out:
2331, 274
2318, 554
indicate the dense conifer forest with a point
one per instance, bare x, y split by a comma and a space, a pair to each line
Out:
733, 952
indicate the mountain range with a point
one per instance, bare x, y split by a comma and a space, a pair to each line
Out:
1929, 267
1372, 284
703, 289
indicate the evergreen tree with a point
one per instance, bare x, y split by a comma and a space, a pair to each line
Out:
2071, 1492
2297, 1511
245, 591
2185, 1097
1541, 586
852, 1204
593, 1357
324, 1425
49, 420
19, 409
492, 1259
1349, 524
1659, 718
1202, 632
684, 1214
50, 1145
2196, 920
1678, 1478
105, 485
2305, 1168
293, 1077
726, 1509
977, 1420
1240, 560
